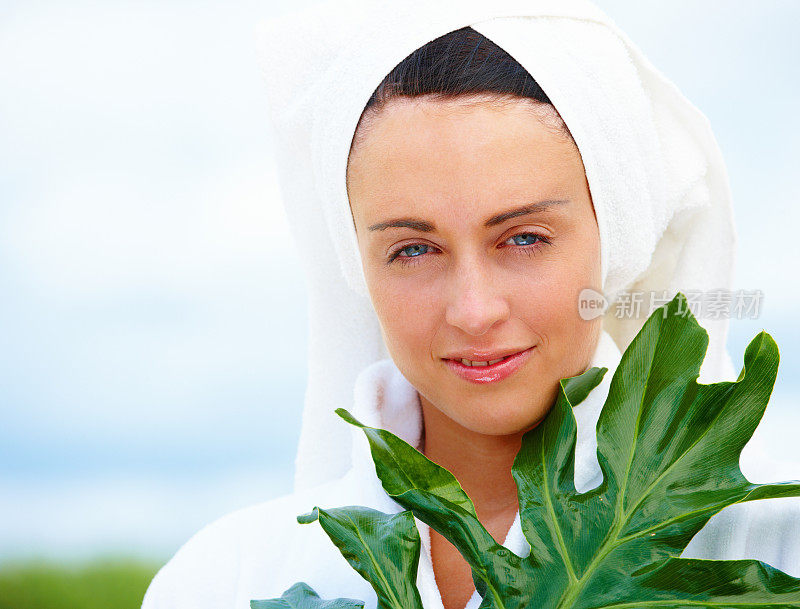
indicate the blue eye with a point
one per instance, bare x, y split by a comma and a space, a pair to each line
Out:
413, 250
531, 238
526, 242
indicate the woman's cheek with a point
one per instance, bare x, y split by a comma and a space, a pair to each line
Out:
405, 318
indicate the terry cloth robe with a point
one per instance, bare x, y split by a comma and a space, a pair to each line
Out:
661, 195
260, 551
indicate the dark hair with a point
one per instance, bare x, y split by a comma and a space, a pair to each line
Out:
461, 63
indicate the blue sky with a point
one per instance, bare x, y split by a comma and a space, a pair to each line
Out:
152, 319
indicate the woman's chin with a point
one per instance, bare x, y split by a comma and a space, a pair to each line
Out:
507, 413
499, 422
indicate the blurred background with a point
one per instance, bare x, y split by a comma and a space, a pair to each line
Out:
152, 306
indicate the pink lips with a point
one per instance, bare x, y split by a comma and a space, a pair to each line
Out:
492, 373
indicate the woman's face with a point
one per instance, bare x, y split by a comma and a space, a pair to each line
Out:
463, 254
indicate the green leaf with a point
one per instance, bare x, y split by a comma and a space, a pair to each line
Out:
668, 450
301, 596
383, 548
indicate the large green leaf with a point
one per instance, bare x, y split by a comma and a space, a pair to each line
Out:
669, 451
668, 448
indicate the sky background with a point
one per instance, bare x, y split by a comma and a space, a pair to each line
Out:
152, 306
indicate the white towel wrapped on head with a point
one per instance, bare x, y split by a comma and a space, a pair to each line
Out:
656, 175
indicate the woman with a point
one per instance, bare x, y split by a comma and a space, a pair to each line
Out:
462, 211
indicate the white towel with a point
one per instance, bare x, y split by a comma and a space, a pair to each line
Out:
655, 172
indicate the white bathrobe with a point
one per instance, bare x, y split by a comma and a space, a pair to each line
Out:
661, 196
260, 551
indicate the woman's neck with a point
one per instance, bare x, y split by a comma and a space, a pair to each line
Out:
481, 463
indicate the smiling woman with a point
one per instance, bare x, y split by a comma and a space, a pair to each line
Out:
469, 214
474, 207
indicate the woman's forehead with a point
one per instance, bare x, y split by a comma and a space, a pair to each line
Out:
423, 152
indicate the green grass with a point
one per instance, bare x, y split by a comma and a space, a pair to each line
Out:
106, 584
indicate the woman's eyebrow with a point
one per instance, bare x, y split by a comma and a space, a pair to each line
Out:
533, 208
428, 227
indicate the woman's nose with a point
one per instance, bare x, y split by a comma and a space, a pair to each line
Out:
474, 302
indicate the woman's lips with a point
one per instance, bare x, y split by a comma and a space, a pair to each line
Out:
492, 373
